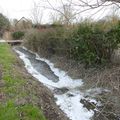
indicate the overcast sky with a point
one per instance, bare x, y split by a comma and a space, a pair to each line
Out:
16, 8
22, 8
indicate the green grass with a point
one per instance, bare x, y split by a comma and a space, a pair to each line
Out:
13, 90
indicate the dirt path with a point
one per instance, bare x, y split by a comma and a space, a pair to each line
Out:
44, 97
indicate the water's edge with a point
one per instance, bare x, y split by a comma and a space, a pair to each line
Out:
65, 89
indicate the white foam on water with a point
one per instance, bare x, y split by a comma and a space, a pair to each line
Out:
69, 104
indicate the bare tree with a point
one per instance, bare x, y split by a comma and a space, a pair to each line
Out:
72, 10
68, 16
36, 14
65, 11
54, 18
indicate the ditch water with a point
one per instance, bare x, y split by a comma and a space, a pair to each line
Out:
66, 90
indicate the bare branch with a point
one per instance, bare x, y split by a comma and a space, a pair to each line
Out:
81, 6
36, 14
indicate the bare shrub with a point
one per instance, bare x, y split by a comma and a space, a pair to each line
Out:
48, 41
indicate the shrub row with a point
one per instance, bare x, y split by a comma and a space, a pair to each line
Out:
86, 42
18, 35
49, 41
93, 45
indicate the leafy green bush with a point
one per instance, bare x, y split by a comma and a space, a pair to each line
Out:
18, 35
93, 45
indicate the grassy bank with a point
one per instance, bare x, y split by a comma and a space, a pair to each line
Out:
16, 102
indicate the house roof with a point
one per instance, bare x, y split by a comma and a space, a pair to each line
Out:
23, 18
